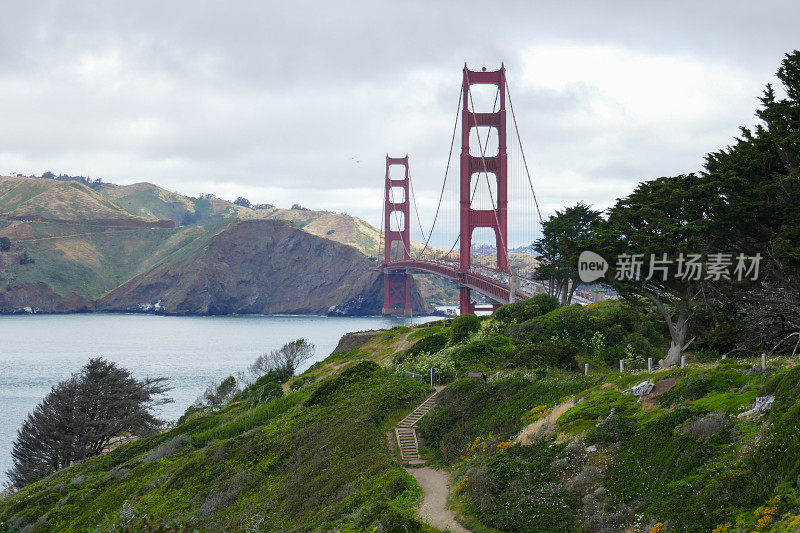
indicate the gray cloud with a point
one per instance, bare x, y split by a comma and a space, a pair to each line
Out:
299, 103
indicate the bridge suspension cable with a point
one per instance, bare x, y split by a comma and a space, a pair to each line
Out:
477, 182
522, 152
446, 171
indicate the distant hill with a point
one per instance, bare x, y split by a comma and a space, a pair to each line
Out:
73, 244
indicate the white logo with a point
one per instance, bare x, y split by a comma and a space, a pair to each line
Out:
591, 266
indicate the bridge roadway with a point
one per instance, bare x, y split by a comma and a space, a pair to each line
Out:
491, 283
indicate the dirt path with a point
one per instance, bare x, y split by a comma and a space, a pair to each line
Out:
434, 508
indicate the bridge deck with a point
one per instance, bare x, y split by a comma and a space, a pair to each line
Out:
491, 283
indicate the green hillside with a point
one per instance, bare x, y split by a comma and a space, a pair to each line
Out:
538, 447
151, 201
94, 260
78, 240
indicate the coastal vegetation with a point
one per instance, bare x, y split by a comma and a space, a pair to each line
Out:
537, 447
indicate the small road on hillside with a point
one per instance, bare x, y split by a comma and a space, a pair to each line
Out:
29, 239
434, 508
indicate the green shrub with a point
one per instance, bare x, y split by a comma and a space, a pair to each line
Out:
544, 354
518, 312
546, 303
430, 344
612, 430
540, 304
613, 334
599, 405
463, 326
483, 354
443, 365
266, 388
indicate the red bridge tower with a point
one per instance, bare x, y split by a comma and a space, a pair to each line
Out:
396, 283
476, 165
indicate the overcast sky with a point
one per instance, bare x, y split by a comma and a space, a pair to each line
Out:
298, 102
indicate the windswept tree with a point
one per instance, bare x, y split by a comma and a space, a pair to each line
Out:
216, 395
79, 417
564, 236
283, 361
657, 241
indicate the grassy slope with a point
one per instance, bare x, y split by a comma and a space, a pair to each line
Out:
98, 260
148, 200
59, 200
315, 458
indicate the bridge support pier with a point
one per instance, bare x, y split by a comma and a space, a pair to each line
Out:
397, 242
465, 301
396, 293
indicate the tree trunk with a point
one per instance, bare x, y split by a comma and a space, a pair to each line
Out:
677, 344
678, 330
562, 293
571, 292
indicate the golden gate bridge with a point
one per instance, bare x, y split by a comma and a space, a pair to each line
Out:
483, 206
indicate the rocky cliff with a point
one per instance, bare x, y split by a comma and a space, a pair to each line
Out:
39, 297
258, 266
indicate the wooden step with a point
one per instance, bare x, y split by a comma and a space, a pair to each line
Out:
406, 432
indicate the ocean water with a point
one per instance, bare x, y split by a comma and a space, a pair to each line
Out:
38, 351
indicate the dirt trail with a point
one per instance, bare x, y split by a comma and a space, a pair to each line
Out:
434, 508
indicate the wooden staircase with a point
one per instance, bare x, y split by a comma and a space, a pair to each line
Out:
406, 431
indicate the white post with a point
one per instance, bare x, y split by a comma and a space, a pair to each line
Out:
683, 361
622, 365
586, 369
432, 377
649, 364
724, 356
763, 361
